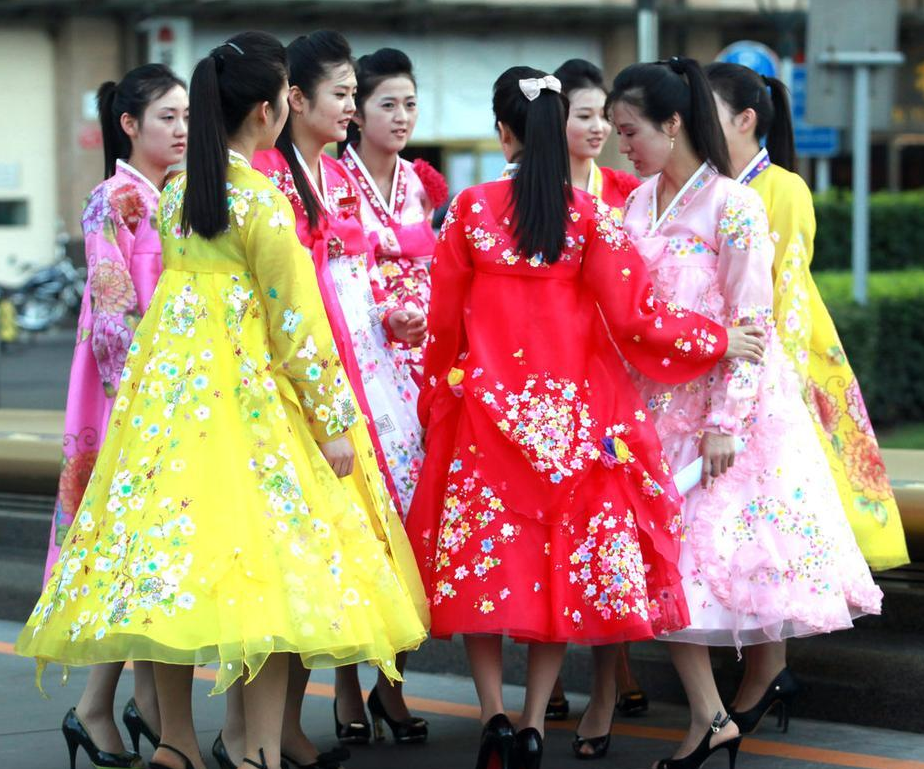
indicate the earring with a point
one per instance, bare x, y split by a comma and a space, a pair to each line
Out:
672, 143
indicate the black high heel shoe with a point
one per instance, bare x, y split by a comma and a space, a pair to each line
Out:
405, 732
77, 736
137, 726
782, 691
498, 740
632, 703
262, 764
598, 745
702, 752
354, 732
328, 760
557, 709
220, 752
187, 764
529, 748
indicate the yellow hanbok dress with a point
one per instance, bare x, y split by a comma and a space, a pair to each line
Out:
830, 389
213, 529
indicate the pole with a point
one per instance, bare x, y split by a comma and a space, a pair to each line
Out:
861, 135
822, 174
647, 31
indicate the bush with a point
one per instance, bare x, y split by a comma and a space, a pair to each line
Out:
896, 230
883, 340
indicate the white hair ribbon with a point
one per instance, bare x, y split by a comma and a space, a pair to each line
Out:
532, 86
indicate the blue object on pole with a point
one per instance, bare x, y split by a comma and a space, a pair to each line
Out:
811, 141
757, 56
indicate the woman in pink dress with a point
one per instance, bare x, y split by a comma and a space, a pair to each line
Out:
767, 552
143, 120
397, 197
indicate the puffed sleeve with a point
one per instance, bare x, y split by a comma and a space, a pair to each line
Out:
451, 275
304, 350
664, 342
794, 236
113, 301
744, 264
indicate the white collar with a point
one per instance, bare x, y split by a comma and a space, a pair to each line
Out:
389, 206
320, 193
655, 223
761, 154
130, 169
239, 156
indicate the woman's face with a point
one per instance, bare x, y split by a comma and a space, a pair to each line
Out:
647, 145
587, 128
327, 112
389, 114
160, 136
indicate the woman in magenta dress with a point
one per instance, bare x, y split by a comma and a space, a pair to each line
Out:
614, 688
143, 120
545, 510
767, 552
367, 325
397, 197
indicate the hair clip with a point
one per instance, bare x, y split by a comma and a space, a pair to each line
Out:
533, 86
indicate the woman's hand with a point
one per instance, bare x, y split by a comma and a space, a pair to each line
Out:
718, 452
746, 342
339, 455
409, 326
388, 243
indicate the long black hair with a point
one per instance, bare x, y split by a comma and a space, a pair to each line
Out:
311, 58
371, 71
577, 74
132, 95
741, 88
541, 189
660, 89
248, 69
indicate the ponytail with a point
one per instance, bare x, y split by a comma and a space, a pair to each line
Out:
742, 88
541, 189
131, 95
226, 85
677, 86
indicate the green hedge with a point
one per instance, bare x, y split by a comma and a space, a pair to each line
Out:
884, 341
896, 230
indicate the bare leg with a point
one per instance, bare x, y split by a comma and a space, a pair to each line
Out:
232, 731
350, 705
295, 744
174, 697
146, 694
264, 704
695, 669
558, 691
543, 667
598, 718
96, 705
485, 658
762, 663
625, 681
392, 694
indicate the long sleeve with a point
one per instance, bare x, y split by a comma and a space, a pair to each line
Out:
451, 275
794, 231
114, 302
663, 342
299, 330
744, 277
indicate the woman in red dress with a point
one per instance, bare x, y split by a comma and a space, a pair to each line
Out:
545, 509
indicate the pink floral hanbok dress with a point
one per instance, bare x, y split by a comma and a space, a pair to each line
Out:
123, 265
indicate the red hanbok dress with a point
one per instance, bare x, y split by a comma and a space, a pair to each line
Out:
546, 509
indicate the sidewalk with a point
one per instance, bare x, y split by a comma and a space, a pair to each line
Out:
30, 736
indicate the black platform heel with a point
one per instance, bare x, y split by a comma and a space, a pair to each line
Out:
262, 764
137, 726
354, 732
77, 736
557, 709
782, 691
703, 752
410, 730
632, 703
498, 740
328, 760
529, 749
187, 764
220, 753
598, 745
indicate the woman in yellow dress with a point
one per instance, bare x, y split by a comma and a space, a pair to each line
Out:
236, 510
751, 108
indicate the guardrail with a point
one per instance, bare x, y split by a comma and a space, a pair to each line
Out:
30, 461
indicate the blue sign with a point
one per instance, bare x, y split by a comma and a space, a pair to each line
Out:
753, 55
811, 141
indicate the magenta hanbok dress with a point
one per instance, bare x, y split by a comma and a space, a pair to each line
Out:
123, 265
767, 551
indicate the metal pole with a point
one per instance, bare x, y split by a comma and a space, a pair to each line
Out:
647, 27
822, 174
861, 135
